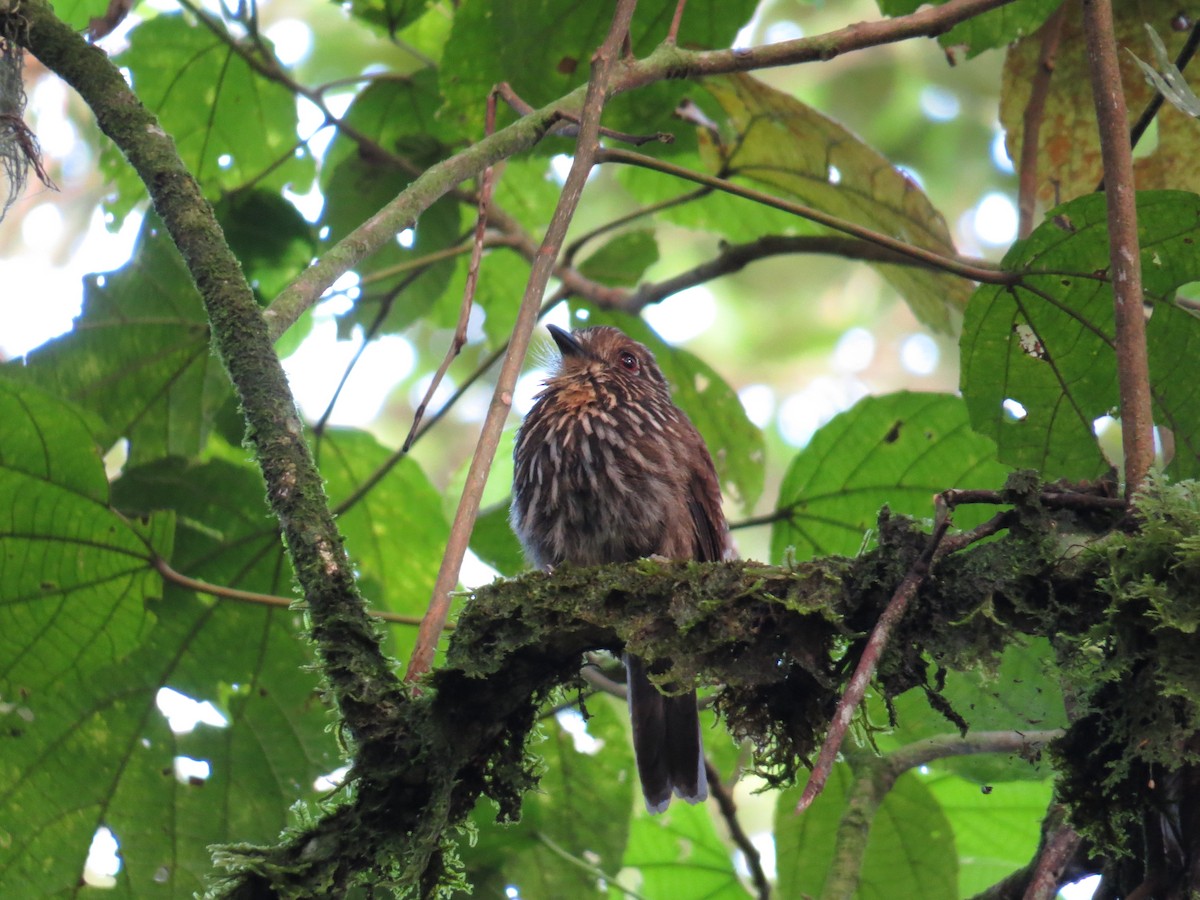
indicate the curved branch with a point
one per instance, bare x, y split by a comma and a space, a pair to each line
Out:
980, 273
874, 778
735, 257
359, 676
223, 592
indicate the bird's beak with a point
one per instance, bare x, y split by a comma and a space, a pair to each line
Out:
567, 343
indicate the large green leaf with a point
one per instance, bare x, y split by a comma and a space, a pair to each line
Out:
995, 827
791, 150
1048, 343
75, 578
231, 126
578, 817
679, 854
543, 48
735, 443
910, 851
139, 354
898, 450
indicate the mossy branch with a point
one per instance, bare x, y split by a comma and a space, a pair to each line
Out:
358, 673
780, 640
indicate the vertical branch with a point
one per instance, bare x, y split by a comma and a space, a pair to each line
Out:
603, 63
1031, 126
1133, 370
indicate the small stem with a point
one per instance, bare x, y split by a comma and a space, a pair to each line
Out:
222, 592
865, 670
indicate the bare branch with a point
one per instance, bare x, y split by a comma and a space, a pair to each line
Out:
1133, 368
865, 670
223, 592
980, 273
724, 799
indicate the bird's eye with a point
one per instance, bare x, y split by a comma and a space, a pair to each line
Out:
629, 362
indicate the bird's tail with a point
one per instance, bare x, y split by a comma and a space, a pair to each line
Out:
666, 741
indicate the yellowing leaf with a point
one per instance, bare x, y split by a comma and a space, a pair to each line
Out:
794, 151
1068, 143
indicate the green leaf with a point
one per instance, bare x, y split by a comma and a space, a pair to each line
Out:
1069, 162
79, 13
791, 150
576, 823
76, 577
995, 829
396, 533
987, 31
898, 450
1047, 343
390, 15
249, 660
400, 117
736, 444
910, 851
679, 854
270, 238
231, 126
493, 541
139, 355
543, 48
97, 751
1022, 693
623, 260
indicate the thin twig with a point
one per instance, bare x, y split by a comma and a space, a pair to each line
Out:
596, 873
573, 248
1052, 499
1133, 369
865, 670
676, 20
222, 592
724, 798
1031, 125
603, 63
735, 257
975, 272
464, 312
373, 329
955, 542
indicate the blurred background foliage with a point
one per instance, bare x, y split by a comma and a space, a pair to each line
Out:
906, 137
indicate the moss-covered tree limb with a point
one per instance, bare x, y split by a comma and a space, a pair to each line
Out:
1118, 608
357, 671
781, 641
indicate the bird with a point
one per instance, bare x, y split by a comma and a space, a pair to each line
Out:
607, 469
